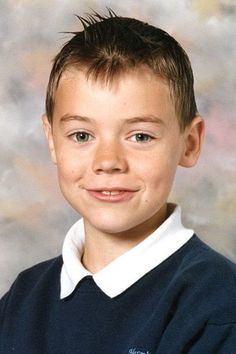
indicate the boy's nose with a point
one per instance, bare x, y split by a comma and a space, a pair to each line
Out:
109, 159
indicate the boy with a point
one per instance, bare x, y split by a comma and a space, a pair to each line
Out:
120, 117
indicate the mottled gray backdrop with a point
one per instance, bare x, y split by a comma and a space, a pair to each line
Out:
34, 217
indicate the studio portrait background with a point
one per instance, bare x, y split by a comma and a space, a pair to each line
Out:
34, 216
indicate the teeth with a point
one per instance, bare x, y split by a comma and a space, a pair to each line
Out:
110, 192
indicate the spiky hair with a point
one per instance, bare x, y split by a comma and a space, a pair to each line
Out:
111, 45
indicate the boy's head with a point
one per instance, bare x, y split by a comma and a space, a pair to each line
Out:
110, 46
121, 101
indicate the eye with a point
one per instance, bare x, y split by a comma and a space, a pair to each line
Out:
141, 138
81, 137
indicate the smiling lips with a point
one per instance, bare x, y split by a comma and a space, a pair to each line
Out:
113, 195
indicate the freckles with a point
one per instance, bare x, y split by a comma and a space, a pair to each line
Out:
72, 174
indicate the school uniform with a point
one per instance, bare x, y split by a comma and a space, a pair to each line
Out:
170, 294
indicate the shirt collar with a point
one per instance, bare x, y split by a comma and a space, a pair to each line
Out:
125, 270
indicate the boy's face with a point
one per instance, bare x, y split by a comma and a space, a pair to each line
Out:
117, 149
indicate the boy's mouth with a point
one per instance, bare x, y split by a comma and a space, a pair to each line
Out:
112, 195
110, 192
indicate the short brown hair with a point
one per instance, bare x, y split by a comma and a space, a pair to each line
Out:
110, 45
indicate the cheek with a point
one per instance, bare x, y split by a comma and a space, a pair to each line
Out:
69, 168
158, 171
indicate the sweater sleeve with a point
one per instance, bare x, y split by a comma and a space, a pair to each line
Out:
216, 338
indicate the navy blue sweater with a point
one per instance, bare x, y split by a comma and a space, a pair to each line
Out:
185, 305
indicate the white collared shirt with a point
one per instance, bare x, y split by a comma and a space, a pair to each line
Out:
128, 268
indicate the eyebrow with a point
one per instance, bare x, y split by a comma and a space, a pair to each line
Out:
68, 117
142, 119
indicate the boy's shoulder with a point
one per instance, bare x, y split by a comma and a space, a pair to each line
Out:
201, 263
209, 280
201, 257
35, 274
40, 278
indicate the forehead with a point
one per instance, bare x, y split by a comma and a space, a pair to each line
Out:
76, 75
134, 92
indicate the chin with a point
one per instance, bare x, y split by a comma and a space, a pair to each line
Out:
109, 227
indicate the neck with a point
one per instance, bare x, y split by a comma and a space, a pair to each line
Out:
101, 248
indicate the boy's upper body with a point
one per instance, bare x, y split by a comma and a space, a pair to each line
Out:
169, 294
120, 118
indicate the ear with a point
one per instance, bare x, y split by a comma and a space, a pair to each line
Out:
193, 139
47, 127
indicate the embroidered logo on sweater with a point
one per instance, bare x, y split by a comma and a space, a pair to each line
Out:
135, 351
